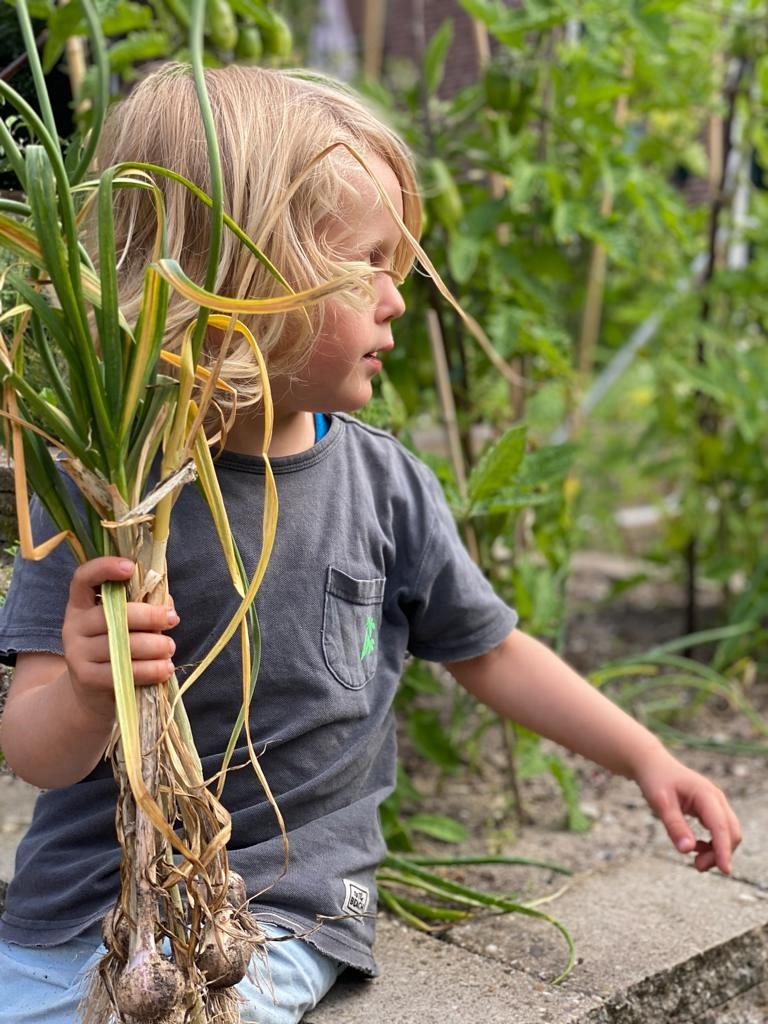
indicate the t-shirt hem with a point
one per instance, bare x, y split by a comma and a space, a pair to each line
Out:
330, 944
42, 933
44, 641
479, 643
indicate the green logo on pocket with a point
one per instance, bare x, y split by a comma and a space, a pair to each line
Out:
369, 640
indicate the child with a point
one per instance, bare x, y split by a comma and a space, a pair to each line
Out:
367, 566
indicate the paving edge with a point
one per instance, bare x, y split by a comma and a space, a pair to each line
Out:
696, 986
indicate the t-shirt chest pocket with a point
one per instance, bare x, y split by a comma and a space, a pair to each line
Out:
351, 621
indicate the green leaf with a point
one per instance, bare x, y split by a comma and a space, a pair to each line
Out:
126, 16
498, 465
463, 253
40, 10
569, 787
508, 500
66, 20
546, 465
431, 740
434, 57
396, 410
137, 47
47, 481
110, 335
438, 826
393, 828
486, 11
418, 677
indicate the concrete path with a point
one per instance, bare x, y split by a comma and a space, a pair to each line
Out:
657, 943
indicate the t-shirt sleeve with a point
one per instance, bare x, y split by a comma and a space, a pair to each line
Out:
33, 613
453, 611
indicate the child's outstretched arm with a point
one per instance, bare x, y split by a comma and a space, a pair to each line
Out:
60, 710
524, 681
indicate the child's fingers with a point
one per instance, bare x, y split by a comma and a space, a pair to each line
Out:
715, 815
148, 617
144, 647
678, 829
141, 618
706, 857
147, 672
90, 575
723, 846
712, 810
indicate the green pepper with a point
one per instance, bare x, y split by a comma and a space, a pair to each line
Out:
444, 199
220, 24
277, 36
249, 47
500, 89
510, 91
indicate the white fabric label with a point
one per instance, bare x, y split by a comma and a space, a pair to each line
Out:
356, 898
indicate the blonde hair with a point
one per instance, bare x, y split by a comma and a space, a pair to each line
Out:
271, 125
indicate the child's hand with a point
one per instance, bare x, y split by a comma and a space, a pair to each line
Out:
672, 791
86, 646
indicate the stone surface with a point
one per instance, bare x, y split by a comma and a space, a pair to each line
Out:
750, 1008
17, 800
627, 921
657, 943
427, 981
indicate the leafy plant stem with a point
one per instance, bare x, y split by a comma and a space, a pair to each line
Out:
214, 162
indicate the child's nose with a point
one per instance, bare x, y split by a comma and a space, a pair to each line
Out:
391, 302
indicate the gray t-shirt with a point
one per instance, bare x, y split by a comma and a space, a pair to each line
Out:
367, 566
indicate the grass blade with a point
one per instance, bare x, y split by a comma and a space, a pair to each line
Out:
100, 61
35, 67
197, 28
107, 315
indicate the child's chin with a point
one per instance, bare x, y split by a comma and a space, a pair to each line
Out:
357, 402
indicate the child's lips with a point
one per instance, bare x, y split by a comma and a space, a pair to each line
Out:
377, 353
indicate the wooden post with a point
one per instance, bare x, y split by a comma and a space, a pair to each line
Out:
448, 409
593, 303
374, 18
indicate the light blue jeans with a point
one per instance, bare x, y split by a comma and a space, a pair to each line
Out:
44, 985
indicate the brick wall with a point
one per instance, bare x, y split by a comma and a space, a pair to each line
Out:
400, 40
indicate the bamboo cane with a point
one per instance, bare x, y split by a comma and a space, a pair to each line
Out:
593, 303
374, 19
450, 421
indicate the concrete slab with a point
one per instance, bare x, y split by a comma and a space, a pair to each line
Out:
657, 942
633, 912
750, 1008
429, 981
17, 800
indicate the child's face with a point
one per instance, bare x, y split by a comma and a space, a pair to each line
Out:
346, 355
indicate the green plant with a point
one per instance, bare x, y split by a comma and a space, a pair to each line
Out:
450, 902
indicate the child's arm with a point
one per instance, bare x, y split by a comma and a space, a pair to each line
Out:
524, 681
60, 710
